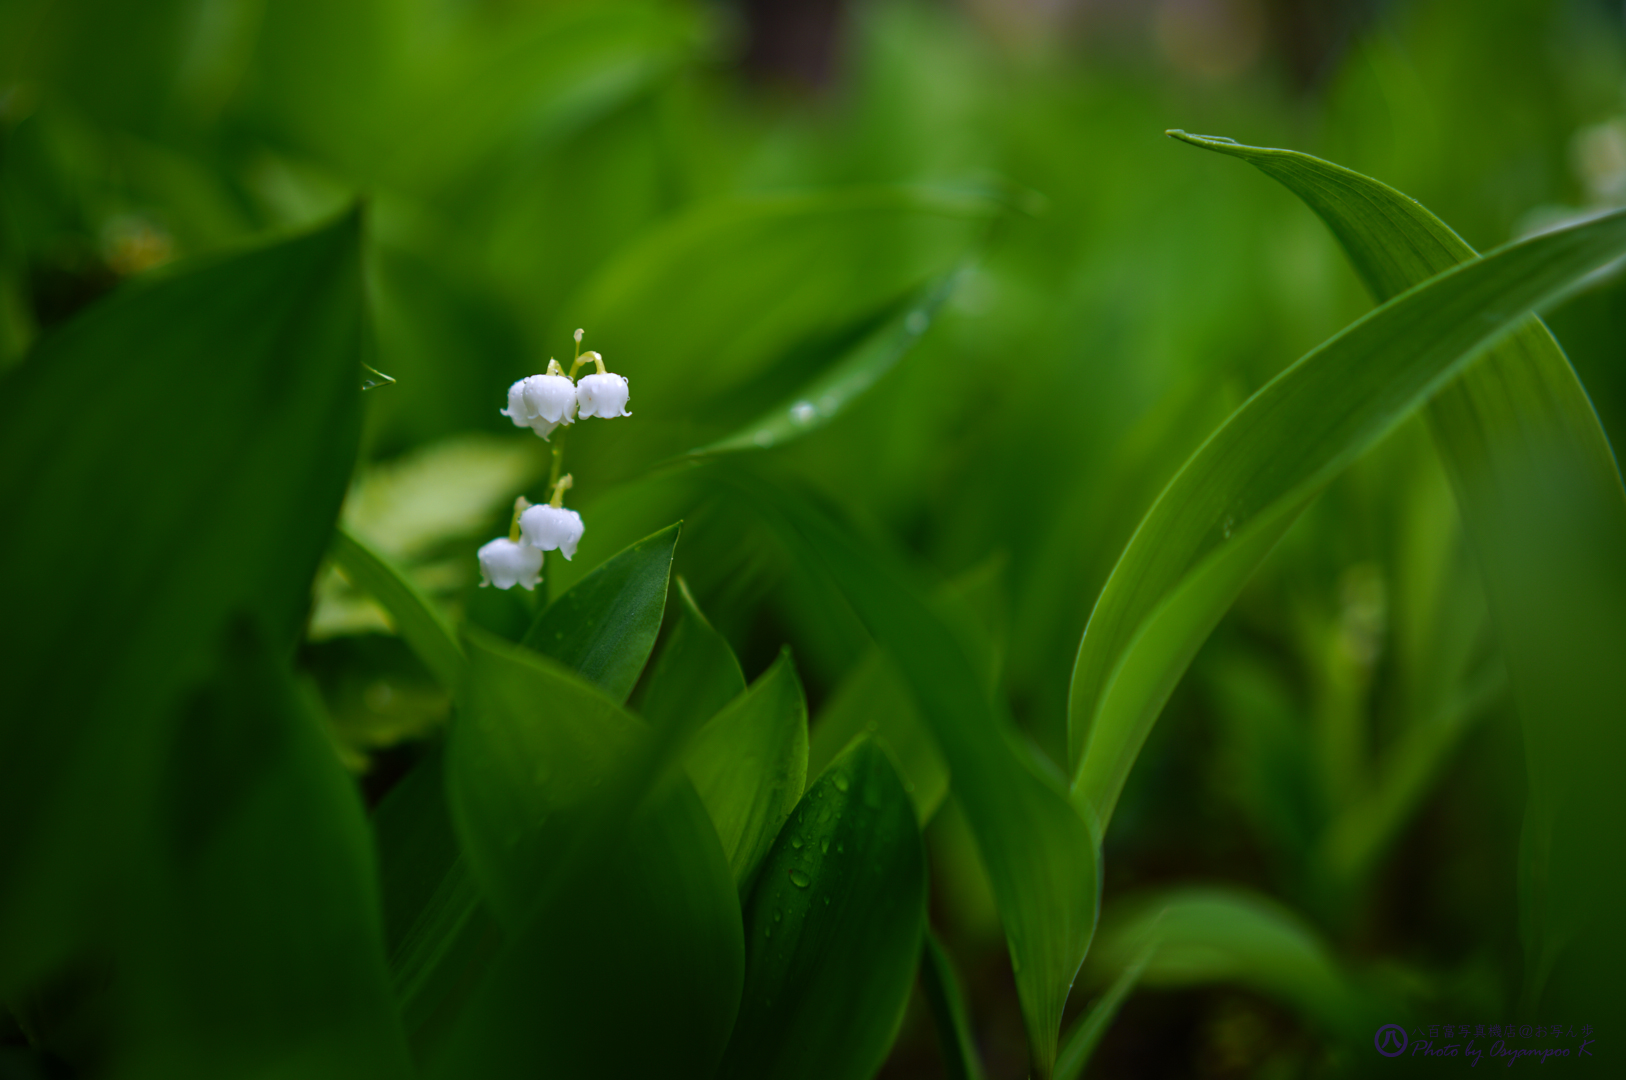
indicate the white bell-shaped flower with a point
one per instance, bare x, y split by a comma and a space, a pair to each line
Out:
550, 397
549, 527
505, 563
603, 395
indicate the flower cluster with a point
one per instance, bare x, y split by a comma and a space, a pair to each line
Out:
542, 403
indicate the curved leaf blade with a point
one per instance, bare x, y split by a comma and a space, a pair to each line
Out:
696, 673
749, 765
605, 627
1516, 414
420, 622
954, 1038
828, 395
1270, 457
834, 928
1208, 935
253, 458
1041, 856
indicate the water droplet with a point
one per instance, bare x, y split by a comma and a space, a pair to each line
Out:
826, 901
824, 846
841, 849
799, 879
841, 783
796, 841
802, 412
767, 931
776, 914
1225, 526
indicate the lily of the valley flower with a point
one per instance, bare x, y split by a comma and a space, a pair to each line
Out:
548, 527
504, 563
603, 394
542, 402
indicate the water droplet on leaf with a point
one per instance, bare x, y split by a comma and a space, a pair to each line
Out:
799, 879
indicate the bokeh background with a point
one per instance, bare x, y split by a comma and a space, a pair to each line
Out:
729, 197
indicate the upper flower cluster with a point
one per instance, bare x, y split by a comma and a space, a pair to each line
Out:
542, 403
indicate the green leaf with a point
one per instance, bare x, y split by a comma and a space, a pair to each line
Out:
696, 673
1080, 1043
172, 457
1224, 510
749, 764
600, 861
525, 757
631, 967
440, 935
424, 627
828, 395
833, 930
875, 700
1519, 409
1215, 935
1040, 855
954, 1037
605, 627
255, 948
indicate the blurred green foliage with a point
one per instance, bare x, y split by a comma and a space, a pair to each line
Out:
931, 266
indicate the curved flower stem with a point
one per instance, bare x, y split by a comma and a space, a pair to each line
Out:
521, 505
562, 485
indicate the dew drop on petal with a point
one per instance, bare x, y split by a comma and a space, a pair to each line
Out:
803, 412
841, 783
800, 879
796, 841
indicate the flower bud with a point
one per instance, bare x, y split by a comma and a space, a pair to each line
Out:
504, 563
603, 395
549, 527
551, 397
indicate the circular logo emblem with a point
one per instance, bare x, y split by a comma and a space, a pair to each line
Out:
1390, 1040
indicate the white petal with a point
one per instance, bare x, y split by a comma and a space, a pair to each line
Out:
549, 527
603, 395
551, 397
505, 564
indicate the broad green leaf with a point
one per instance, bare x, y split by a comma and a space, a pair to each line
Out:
526, 757
631, 967
255, 947
823, 399
441, 937
954, 1036
696, 673
441, 931
833, 930
749, 765
1079, 1045
605, 627
1213, 935
1224, 510
174, 455
423, 625
875, 700
1521, 404
779, 270
602, 865
1039, 852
